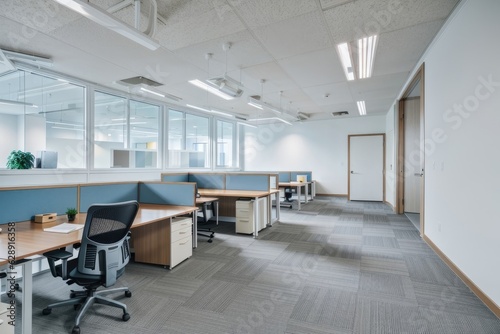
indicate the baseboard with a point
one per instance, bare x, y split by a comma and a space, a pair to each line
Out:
332, 195
390, 204
477, 291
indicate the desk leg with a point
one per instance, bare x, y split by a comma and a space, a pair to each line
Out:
306, 187
195, 229
255, 217
27, 298
299, 190
269, 211
278, 206
216, 205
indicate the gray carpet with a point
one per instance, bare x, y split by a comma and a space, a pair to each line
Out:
337, 267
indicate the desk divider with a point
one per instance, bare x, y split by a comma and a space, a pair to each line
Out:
107, 193
284, 176
20, 204
208, 180
293, 176
171, 193
257, 182
175, 177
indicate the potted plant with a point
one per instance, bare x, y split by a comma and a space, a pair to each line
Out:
20, 160
71, 212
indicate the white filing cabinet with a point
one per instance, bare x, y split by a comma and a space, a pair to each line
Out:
181, 245
245, 215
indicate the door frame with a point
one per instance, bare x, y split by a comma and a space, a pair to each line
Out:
349, 162
418, 79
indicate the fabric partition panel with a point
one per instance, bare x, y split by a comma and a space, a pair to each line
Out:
247, 182
293, 176
181, 193
284, 176
208, 180
107, 193
23, 204
175, 177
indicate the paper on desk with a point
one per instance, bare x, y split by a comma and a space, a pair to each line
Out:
64, 228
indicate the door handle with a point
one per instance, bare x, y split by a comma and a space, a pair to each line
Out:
418, 174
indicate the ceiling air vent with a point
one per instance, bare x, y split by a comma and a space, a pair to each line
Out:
340, 113
140, 81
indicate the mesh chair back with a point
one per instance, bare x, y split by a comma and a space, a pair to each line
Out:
104, 248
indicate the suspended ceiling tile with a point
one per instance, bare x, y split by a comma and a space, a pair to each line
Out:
353, 20
399, 50
330, 93
276, 79
384, 86
327, 4
197, 29
314, 68
245, 51
258, 13
305, 33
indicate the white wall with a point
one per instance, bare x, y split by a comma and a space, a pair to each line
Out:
462, 122
318, 146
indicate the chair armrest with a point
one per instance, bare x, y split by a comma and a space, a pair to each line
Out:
57, 255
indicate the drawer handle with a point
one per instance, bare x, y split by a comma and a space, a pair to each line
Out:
184, 243
182, 232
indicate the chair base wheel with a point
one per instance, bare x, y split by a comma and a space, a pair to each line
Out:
46, 311
126, 317
75, 330
209, 240
128, 294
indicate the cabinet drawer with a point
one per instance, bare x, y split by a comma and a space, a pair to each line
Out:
180, 234
244, 226
181, 250
180, 223
244, 205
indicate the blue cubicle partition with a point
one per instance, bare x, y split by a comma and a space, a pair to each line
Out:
107, 193
175, 177
23, 204
208, 180
284, 176
293, 175
247, 182
182, 193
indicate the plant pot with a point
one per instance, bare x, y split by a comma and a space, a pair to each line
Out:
71, 218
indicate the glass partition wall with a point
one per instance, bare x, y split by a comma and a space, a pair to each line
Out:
44, 116
48, 117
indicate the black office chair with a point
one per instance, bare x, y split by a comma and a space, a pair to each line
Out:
103, 254
206, 231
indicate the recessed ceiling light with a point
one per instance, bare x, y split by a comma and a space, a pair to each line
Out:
361, 107
366, 55
346, 60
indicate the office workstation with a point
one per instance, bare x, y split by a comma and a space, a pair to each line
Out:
156, 226
378, 235
229, 188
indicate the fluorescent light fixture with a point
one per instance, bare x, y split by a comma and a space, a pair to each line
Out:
269, 119
361, 107
255, 105
214, 111
211, 110
103, 18
246, 124
366, 55
197, 108
18, 103
28, 59
345, 58
210, 89
152, 92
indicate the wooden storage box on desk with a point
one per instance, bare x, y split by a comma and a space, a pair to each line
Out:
45, 218
167, 243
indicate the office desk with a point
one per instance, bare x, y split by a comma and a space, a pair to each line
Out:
230, 196
30, 240
298, 186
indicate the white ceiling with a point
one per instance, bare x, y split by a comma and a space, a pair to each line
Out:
289, 43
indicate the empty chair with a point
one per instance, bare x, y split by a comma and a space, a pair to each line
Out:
103, 254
